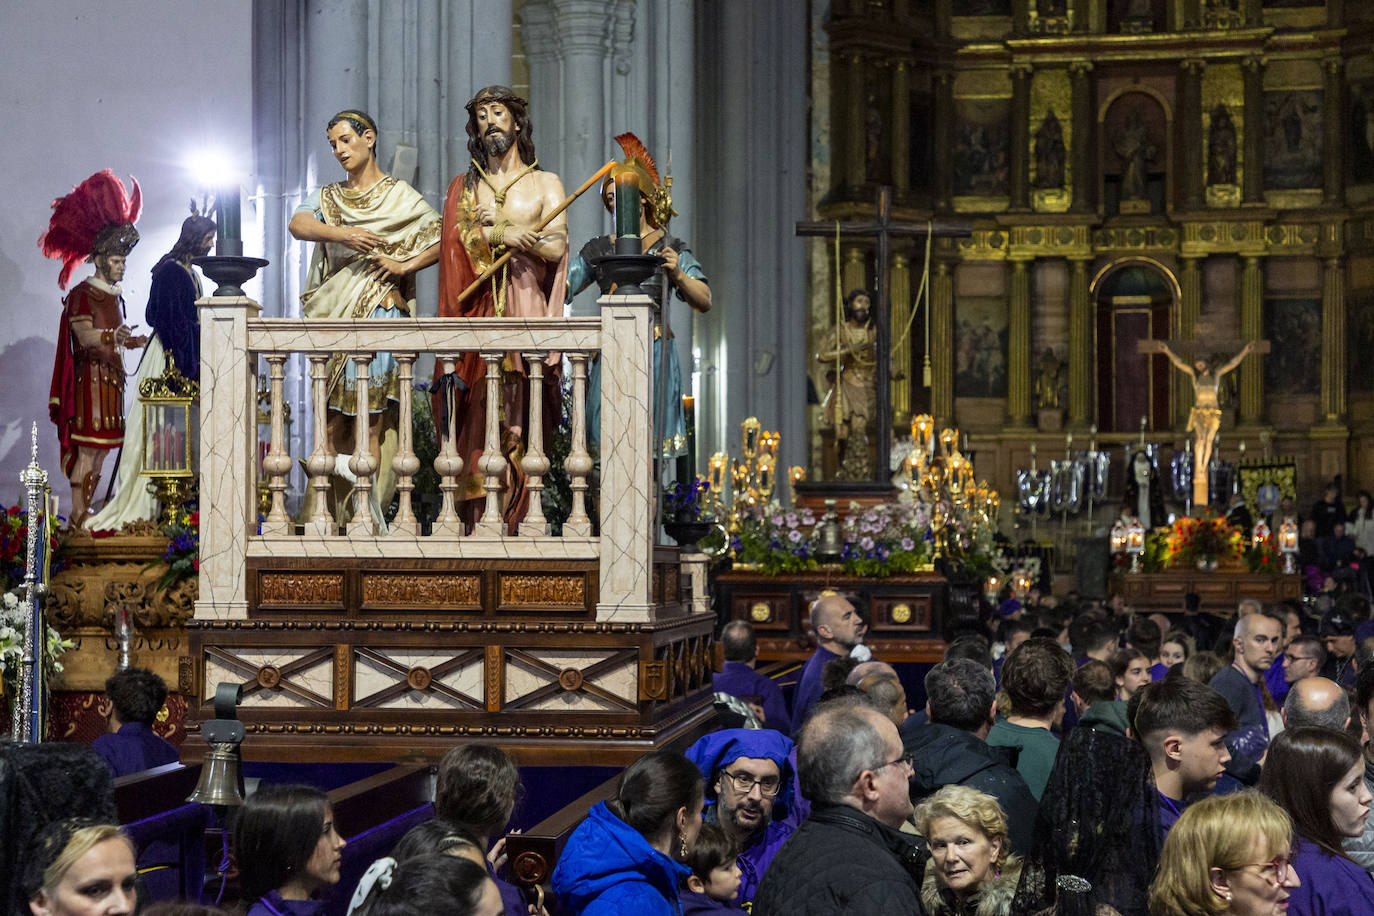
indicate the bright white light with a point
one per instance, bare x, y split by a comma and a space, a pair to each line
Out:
212, 168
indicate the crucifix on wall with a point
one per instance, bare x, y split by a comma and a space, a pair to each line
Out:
883, 229
1204, 420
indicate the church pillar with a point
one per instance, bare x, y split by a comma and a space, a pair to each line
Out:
899, 295
1020, 18
1252, 328
1333, 125
1018, 345
855, 128
1333, 342
1080, 344
1190, 113
1252, 189
942, 343
1080, 79
900, 140
944, 140
1189, 307
1020, 137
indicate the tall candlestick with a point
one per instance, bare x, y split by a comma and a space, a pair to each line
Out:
627, 204
687, 464
228, 233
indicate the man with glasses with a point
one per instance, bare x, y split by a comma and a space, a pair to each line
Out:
850, 855
750, 789
1303, 658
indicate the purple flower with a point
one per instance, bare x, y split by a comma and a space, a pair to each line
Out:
908, 544
794, 536
775, 520
791, 520
866, 543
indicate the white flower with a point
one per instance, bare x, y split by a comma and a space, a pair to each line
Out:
11, 600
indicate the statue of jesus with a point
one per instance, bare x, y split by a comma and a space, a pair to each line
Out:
1204, 420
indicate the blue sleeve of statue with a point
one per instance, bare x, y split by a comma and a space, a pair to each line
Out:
691, 267
579, 277
312, 206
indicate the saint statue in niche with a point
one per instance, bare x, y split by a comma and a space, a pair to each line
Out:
1221, 159
1049, 153
1132, 144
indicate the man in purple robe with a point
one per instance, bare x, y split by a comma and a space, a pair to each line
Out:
750, 791
134, 697
838, 628
739, 679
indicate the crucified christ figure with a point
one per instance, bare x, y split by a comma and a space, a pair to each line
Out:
1204, 420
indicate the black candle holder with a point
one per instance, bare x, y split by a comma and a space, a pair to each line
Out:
626, 271
230, 272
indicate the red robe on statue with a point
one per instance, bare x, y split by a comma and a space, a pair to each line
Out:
86, 398
530, 288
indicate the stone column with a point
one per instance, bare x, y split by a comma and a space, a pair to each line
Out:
943, 191
900, 139
1252, 328
228, 455
1252, 188
900, 297
1020, 137
1084, 129
1189, 307
1020, 18
1080, 345
1190, 133
1333, 128
1018, 345
855, 270
854, 127
942, 342
1333, 342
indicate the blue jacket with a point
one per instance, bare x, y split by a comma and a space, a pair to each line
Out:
608, 869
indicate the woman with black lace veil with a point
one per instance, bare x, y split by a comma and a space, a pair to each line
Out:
1096, 838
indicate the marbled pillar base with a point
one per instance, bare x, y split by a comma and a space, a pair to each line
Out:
627, 486
227, 455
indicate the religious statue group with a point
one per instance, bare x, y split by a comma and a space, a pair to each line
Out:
502, 249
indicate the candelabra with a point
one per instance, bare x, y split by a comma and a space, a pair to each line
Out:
942, 477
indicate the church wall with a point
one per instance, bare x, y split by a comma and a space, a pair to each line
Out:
131, 85
1292, 317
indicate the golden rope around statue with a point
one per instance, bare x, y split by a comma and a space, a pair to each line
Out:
500, 262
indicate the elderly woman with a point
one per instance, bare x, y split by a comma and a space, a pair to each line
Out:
971, 870
78, 867
1317, 776
1227, 854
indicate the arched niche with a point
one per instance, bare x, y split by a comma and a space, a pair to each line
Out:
1134, 299
1135, 149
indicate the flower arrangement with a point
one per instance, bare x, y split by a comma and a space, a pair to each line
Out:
14, 546
886, 538
182, 555
685, 501
1263, 557
1207, 539
13, 624
775, 540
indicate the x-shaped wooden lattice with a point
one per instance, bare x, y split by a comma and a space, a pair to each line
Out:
423, 680
561, 676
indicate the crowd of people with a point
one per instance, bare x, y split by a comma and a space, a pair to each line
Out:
1070, 757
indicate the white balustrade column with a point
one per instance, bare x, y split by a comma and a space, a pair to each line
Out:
228, 444
405, 464
578, 464
535, 464
363, 464
277, 463
492, 464
627, 486
320, 464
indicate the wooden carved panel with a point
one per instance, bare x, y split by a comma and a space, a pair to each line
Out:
543, 590
294, 589
765, 612
496, 682
343, 686
653, 680
398, 591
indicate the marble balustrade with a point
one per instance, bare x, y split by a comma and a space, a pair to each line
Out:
234, 340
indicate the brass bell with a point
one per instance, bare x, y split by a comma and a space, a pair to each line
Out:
219, 777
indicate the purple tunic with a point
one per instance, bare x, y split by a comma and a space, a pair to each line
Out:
134, 748
809, 687
1275, 681
740, 680
1331, 885
694, 904
755, 858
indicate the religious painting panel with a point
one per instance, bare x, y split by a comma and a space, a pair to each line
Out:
1293, 139
1360, 343
1135, 149
980, 347
1295, 325
1360, 131
982, 147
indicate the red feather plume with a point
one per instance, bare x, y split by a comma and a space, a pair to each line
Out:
76, 219
635, 150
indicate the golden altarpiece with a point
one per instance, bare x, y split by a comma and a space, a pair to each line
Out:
1201, 170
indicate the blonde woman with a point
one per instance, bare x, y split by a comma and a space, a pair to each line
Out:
971, 870
1229, 854
78, 867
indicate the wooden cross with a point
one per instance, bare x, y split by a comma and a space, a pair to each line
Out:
884, 229
1205, 419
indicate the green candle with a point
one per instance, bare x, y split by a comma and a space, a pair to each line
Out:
626, 203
